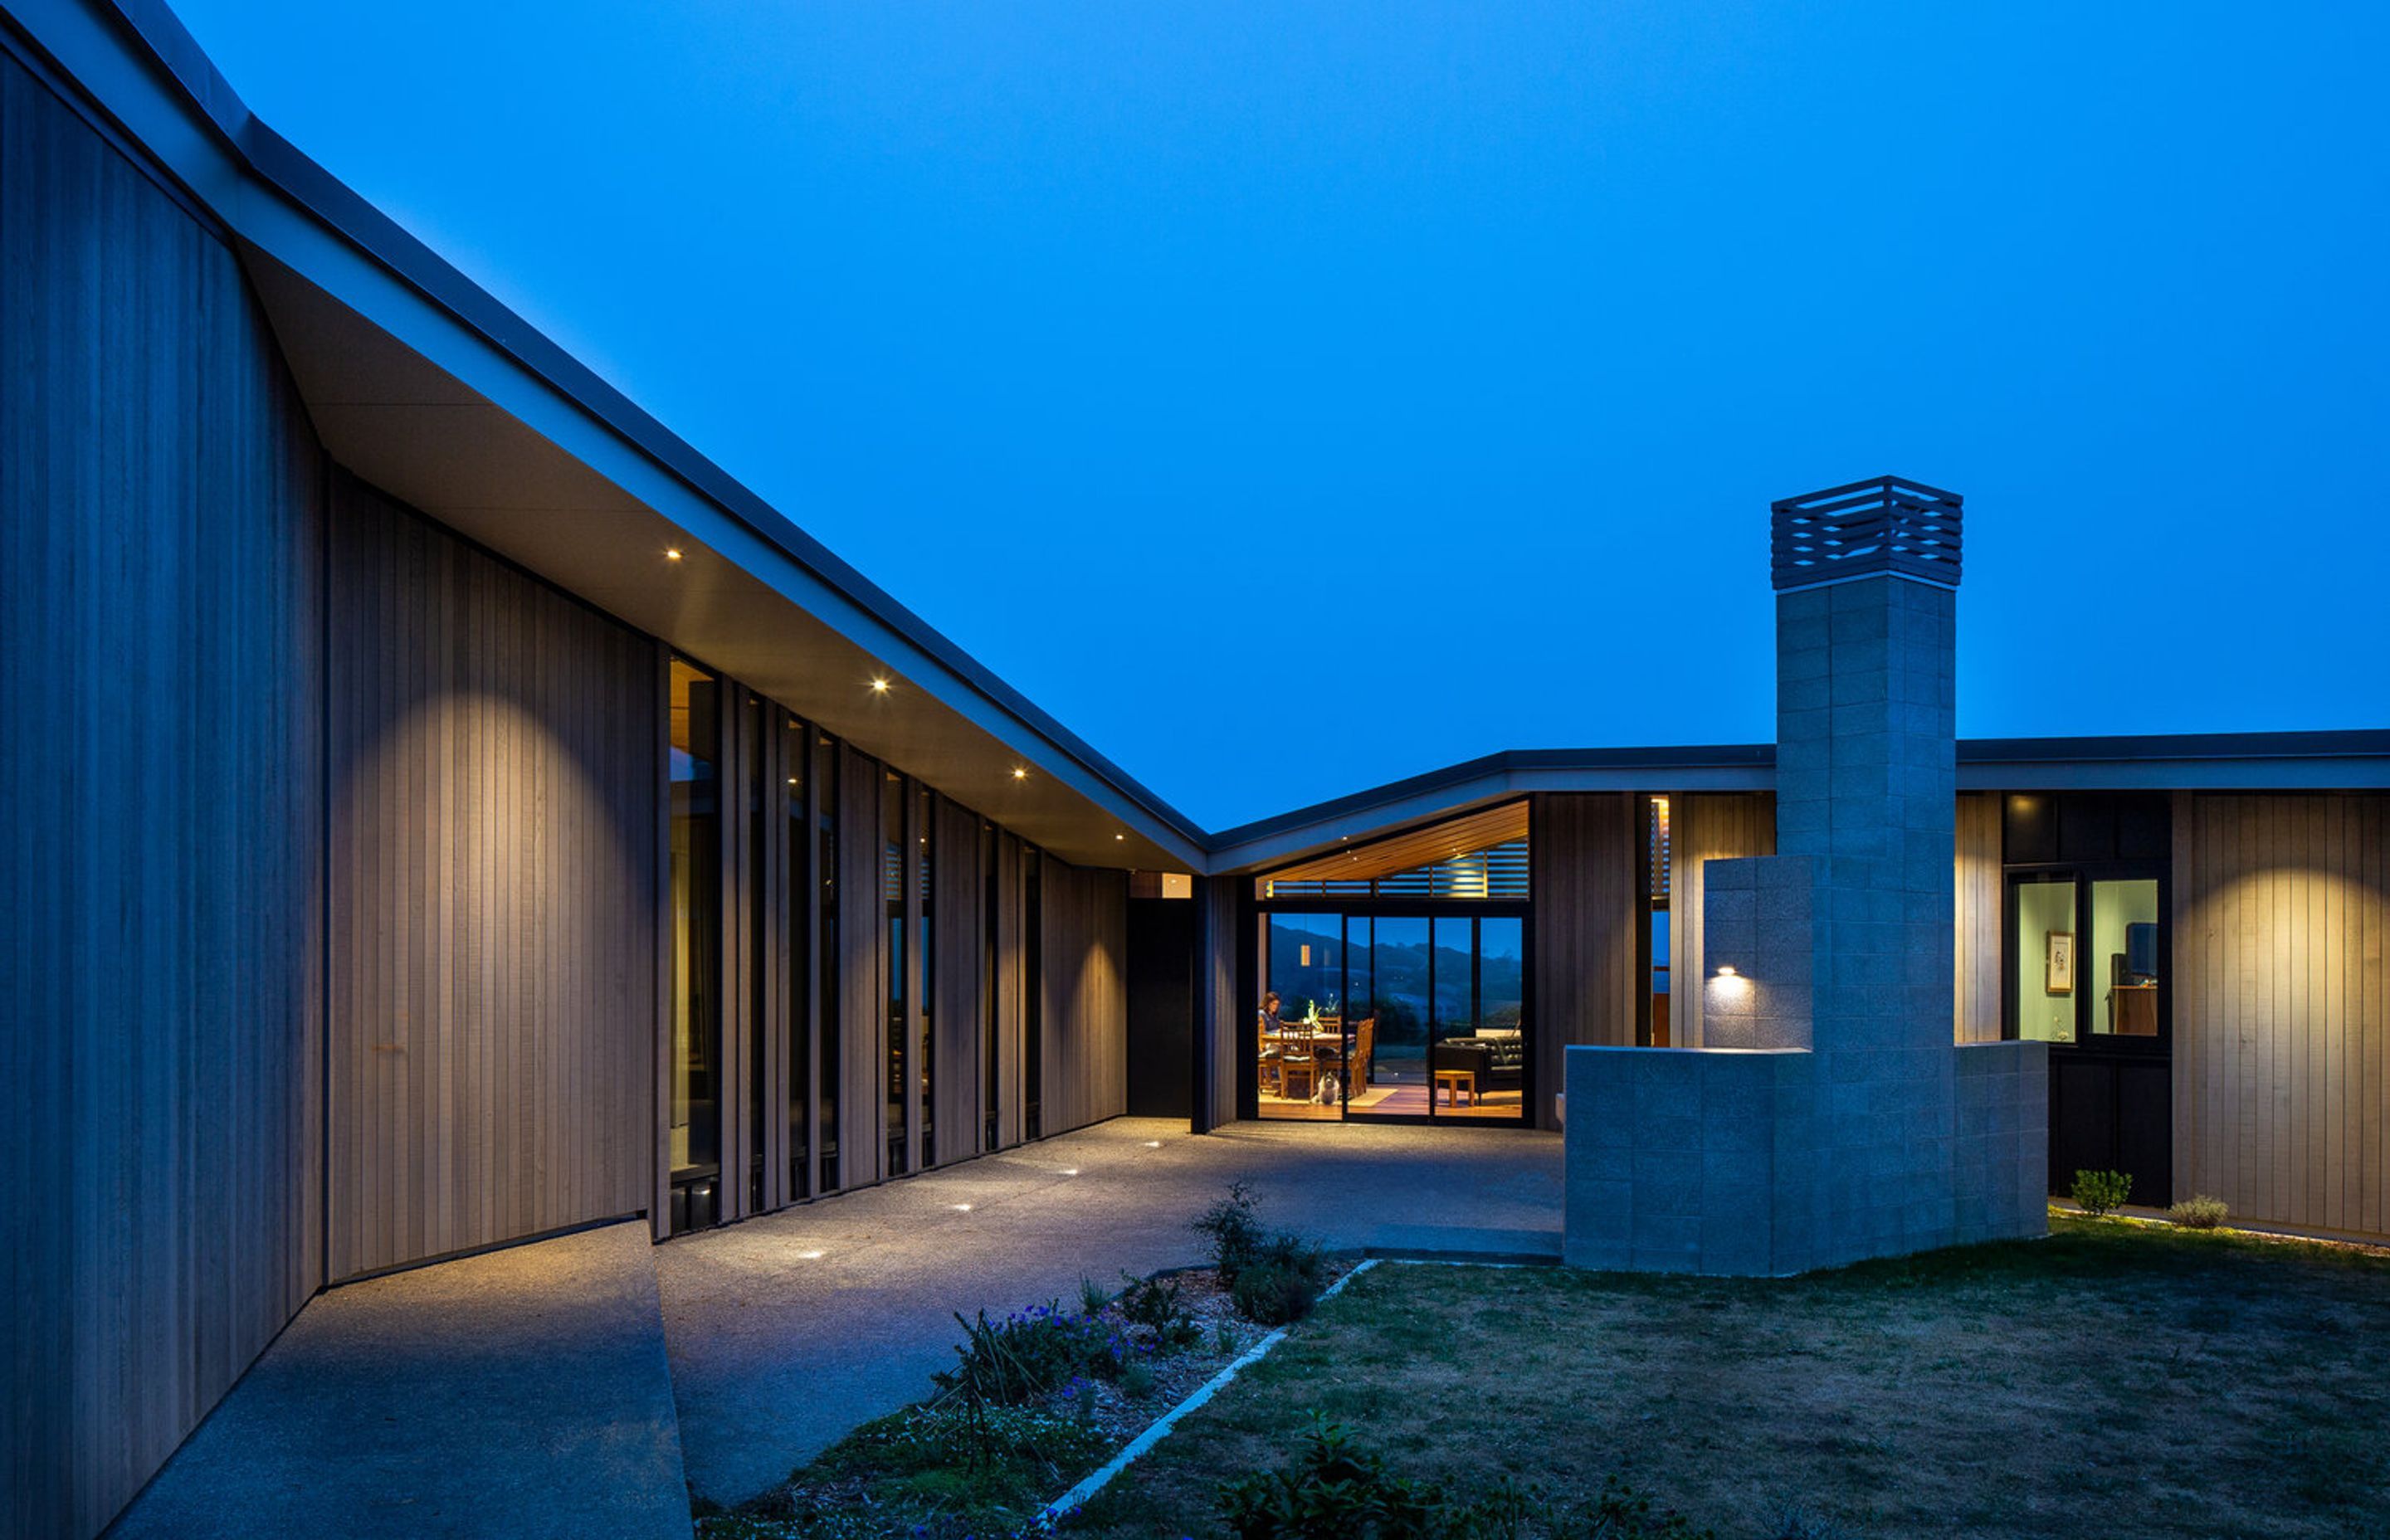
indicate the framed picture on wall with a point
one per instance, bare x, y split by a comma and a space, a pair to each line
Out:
2057, 963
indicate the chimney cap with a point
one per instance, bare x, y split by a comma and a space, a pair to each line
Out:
1887, 524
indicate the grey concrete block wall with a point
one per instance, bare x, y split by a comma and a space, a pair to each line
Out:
1688, 1161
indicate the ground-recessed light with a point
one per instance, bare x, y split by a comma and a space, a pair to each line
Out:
809, 1256
1153, 1143
1069, 1171
960, 1208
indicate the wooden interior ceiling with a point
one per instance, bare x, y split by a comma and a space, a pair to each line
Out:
1421, 847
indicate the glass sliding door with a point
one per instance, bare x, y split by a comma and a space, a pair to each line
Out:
1299, 1031
1401, 1004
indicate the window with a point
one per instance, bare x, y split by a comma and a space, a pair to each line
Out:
797, 747
694, 1131
898, 963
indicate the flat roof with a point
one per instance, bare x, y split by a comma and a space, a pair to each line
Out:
423, 383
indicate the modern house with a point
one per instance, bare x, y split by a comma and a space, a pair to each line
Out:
449, 811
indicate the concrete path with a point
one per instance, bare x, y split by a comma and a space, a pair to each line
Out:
787, 1331
523, 1393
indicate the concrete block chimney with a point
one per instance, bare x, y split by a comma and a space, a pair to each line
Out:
1828, 1115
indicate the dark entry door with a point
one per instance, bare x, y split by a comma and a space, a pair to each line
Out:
2088, 949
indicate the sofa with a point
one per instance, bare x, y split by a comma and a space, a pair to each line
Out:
1497, 1058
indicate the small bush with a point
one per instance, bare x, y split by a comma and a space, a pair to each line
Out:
1157, 1303
1272, 1277
1136, 1382
1334, 1487
2199, 1213
1092, 1298
1268, 1295
2099, 1192
1235, 1231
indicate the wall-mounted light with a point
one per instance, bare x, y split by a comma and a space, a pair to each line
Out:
1725, 971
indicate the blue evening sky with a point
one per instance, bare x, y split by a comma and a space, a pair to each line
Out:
1291, 398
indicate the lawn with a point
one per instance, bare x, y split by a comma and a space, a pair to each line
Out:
2112, 1380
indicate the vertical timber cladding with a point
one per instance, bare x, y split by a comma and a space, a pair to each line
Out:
2282, 1054
1220, 1025
1085, 1012
1585, 885
959, 900
1704, 827
493, 909
1976, 966
160, 537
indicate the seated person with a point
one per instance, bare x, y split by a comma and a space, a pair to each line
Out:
1271, 1025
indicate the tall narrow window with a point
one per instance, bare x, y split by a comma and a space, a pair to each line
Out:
695, 1130
926, 841
797, 755
1033, 990
756, 924
827, 969
899, 965
1657, 1032
988, 992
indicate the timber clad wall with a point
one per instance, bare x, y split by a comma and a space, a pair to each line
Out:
1585, 878
1976, 971
2282, 1058
1704, 827
1086, 995
493, 815
160, 537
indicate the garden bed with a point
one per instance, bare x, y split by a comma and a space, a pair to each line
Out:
1041, 1398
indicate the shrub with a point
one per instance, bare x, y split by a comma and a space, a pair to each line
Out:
1157, 1303
2099, 1192
1235, 1231
1031, 1353
1334, 1487
1270, 1295
2199, 1213
1272, 1277
1092, 1298
1136, 1382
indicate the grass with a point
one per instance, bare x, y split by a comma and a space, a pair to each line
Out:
2114, 1380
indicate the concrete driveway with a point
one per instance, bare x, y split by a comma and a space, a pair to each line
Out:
786, 1331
